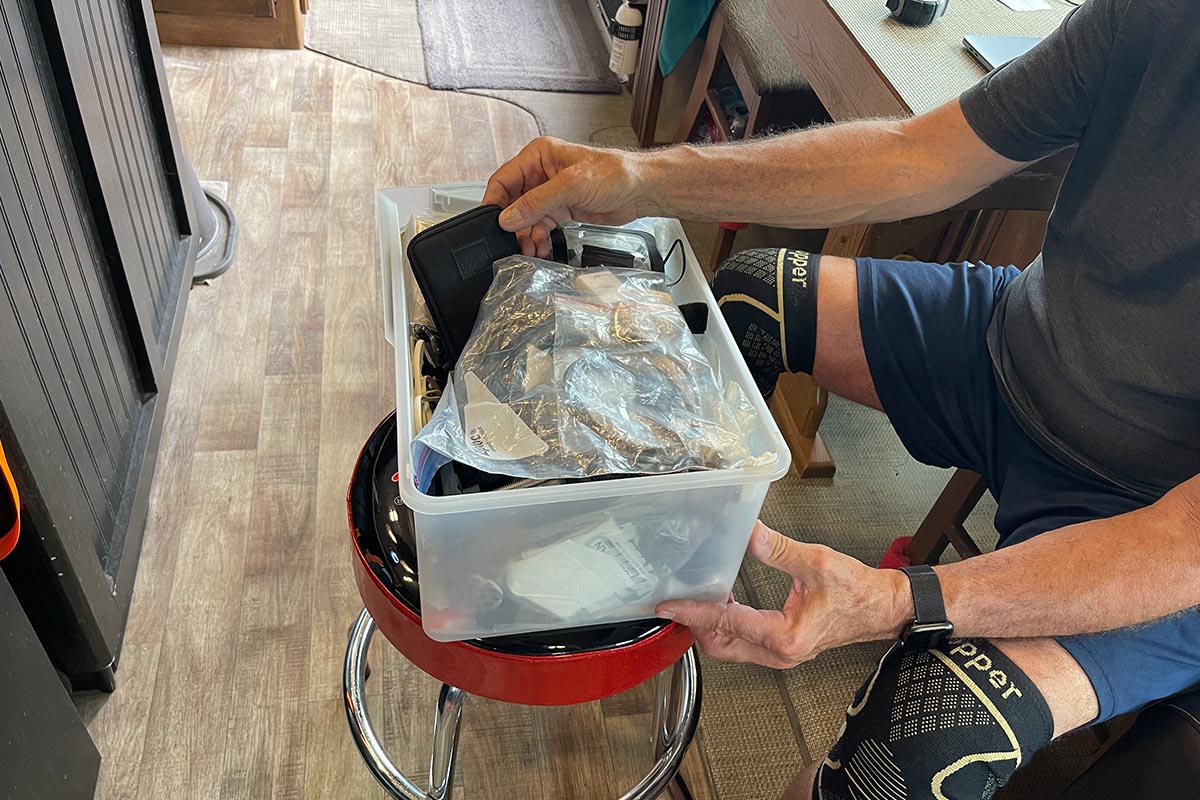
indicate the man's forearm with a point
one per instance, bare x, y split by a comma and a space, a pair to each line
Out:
1093, 576
871, 171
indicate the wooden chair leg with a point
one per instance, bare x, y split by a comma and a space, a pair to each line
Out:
758, 114
943, 525
704, 74
723, 248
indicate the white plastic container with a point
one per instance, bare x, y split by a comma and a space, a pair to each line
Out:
493, 563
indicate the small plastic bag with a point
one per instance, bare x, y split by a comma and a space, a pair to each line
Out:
575, 373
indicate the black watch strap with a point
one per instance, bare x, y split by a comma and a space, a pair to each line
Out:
930, 627
926, 593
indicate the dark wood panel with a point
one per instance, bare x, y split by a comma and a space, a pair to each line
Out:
68, 314
70, 401
112, 34
96, 252
107, 42
103, 46
63, 342
47, 752
1035, 188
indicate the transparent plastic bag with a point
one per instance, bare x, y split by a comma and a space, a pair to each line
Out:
575, 373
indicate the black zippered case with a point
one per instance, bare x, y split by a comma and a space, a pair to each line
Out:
452, 263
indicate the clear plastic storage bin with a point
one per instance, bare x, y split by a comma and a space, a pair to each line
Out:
545, 558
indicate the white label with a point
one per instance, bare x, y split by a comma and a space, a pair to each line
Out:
609, 539
605, 286
493, 429
593, 574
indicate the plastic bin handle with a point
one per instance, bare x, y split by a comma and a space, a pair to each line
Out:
389, 303
385, 267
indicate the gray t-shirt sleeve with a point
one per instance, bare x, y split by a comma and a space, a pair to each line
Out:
1041, 102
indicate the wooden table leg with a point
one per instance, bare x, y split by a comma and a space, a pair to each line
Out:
943, 525
820, 462
798, 406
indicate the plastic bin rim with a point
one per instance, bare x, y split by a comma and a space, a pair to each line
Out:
423, 503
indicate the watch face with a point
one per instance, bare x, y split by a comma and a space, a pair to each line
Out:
927, 634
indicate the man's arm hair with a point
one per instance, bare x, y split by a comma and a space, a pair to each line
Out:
858, 172
1084, 578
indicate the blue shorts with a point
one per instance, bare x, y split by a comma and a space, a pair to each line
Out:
924, 330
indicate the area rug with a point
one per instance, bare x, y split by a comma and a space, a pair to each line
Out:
385, 37
514, 44
380, 35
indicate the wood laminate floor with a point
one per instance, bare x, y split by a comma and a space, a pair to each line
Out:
229, 683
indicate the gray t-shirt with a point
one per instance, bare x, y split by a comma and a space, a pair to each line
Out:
1097, 344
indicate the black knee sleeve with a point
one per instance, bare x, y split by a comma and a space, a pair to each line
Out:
769, 299
950, 723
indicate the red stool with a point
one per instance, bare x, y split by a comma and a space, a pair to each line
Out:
548, 669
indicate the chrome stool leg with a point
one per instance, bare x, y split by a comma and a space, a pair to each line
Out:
354, 686
675, 725
446, 723
666, 707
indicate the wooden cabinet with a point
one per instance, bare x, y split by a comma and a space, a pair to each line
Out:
232, 23
96, 257
217, 8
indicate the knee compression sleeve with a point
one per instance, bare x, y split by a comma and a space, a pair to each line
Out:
950, 723
769, 298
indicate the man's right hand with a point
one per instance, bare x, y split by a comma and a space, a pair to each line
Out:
551, 182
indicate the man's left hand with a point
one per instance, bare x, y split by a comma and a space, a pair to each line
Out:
834, 600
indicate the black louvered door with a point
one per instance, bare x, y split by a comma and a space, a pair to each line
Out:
96, 255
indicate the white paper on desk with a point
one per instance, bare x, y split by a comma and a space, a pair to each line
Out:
1027, 5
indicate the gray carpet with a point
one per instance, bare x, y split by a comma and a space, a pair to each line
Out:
380, 35
762, 726
514, 44
385, 37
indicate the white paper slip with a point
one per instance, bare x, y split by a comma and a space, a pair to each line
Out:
1027, 5
594, 574
493, 429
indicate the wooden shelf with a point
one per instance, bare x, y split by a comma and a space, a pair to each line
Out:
718, 116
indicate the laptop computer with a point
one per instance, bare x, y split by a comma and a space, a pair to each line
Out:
996, 51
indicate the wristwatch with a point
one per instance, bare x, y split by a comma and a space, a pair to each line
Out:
931, 627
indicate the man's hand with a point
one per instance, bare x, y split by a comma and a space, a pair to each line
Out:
834, 600
551, 182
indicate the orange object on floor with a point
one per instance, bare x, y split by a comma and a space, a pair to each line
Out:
10, 509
